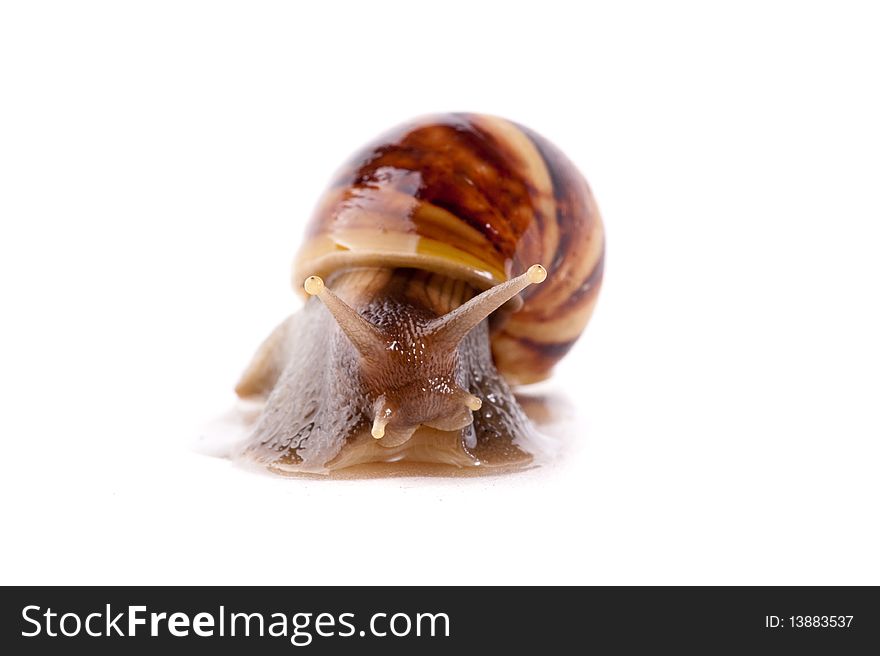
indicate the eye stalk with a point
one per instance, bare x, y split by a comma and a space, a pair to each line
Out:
453, 326
366, 337
405, 399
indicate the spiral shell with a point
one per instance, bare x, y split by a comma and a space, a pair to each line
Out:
477, 198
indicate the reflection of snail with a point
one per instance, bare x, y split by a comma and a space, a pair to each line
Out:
418, 238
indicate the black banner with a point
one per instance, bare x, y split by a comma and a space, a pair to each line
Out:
112, 620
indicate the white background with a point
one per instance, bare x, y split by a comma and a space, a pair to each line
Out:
158, 160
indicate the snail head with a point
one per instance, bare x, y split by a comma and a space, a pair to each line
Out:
410, 369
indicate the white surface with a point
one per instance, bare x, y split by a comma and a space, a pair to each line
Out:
157, 162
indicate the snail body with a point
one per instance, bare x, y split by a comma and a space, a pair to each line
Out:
419, 238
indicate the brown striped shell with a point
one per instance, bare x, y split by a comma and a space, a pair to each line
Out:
477, 198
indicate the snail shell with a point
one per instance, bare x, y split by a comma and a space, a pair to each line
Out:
419, 237
477, 198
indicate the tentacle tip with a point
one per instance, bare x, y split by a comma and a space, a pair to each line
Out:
381, 420
313, 285
473, 402
536, 274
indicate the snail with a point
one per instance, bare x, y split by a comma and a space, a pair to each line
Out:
423, 269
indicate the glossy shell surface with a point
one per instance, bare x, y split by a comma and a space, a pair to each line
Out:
478, 198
